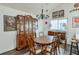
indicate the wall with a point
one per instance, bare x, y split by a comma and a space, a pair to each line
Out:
42, 26
70, 31
7, 39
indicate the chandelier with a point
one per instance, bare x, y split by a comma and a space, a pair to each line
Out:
42, 15
76, 7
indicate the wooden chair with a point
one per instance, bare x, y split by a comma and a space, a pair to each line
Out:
31, 46
62, 41
54, 46
41, 34
74, 44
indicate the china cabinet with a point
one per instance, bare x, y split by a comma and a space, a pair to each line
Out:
25, 29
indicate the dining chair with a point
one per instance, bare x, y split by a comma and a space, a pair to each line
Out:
74, 44
31, 47
54, 46
41, 34
63, 42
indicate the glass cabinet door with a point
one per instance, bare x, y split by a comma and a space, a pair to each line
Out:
21, 25
30, 26
26, 26
34, 26
18, 28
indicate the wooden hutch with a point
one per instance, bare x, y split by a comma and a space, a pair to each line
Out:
25, 28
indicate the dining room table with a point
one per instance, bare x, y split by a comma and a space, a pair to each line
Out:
44, 42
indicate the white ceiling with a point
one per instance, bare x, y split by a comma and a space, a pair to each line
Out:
34, 8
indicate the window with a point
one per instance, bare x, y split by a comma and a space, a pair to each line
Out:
58, 24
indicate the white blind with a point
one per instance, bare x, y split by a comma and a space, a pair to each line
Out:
58, 24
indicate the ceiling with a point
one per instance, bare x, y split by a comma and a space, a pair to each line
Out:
34, 8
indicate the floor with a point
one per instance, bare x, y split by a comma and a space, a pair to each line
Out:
25, 52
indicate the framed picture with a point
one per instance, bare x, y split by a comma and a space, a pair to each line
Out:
9, 23
58, 14
75, 22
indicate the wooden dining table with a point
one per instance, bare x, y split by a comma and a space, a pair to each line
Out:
44, 42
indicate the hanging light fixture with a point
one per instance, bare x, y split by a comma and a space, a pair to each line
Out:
76, 7
42, 15
43, 11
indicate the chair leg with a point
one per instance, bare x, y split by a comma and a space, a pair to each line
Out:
58, 49
51, 51
44, 49
71, 49
56, 52
30, 53
77, 49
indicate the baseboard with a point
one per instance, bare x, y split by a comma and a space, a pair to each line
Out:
7, 51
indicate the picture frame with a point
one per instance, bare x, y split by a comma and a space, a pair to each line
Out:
9, 23
75, 22
58, 14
